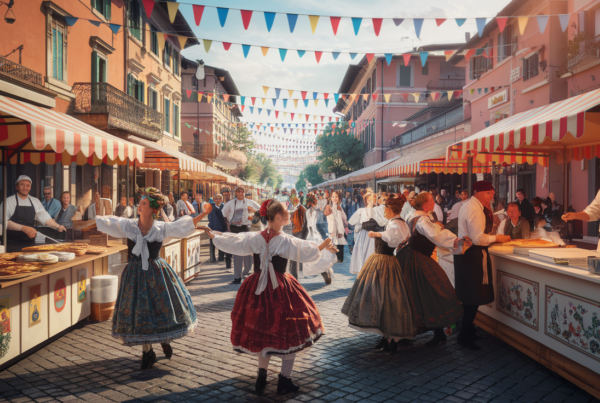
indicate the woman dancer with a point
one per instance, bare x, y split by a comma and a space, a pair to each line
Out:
433, 301
313, 235
378, 302
153, 305
336, 223
273, 314
365, 219
321, 220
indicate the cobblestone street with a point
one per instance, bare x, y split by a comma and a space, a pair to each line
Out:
88, 365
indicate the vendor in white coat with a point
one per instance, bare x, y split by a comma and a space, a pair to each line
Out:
590, 213
22, 211
238, 214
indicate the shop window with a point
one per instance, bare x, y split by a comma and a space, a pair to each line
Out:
99, 68
167, 114
103, 7
404, 76
134, 19
531, 66
59, 47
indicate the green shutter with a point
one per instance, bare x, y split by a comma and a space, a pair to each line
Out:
107, 7
94, 66
142, 91
59, 56
94, 4
54, 54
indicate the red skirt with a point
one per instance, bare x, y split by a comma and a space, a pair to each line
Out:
279, 321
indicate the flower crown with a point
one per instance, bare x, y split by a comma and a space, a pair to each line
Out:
264, 207
154, 196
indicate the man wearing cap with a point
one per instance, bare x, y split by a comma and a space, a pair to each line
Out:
22, 211
473, 270
238, 213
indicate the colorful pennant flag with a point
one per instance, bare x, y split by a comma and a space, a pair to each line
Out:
335, 22
387, 97
314, 20
564, 21
406, 57
522, 24
269, 18
282, 53
172, 9
423, 57
353, 55
388, 58
246, 49
246, 17
182, 41
198, 11
318, 56
207, 44
222, 15
226, 45
398, 21
356, 24
501, 21
292, 19
460, 21
265, 50
480, 25
440, 21
71, 20
301, 53
148, 7
377, 25
418, 22
335, 55
370, 57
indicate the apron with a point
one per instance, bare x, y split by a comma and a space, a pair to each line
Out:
23, 215
238, 217
469, 270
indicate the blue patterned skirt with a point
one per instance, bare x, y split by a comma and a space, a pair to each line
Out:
153, 306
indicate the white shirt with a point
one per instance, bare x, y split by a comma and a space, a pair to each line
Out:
438, 212
41, 214
406, 210
593, 210
395, 233
105, 209
336, 224
364, 214
471, 223
456, 210
182, 206
231, 205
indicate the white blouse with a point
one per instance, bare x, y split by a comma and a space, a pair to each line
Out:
284, 245
440, 237
396, 232
127, 228
364, 214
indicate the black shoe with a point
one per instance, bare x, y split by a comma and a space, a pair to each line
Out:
404, 342
236, 281
327, 276
382, 343
387, 346
467, 342
261, 380
148, 359
439, 339
393, 346
167, 350
286, 385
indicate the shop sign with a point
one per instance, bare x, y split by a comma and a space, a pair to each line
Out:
497, 99
515, 74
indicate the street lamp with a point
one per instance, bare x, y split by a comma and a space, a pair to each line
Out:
9, 17
199, 70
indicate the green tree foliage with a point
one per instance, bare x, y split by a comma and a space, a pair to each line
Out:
247, 173
310, 172
275, 181
341, 153
259, 169
239, 139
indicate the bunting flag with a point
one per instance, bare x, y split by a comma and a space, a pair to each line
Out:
406, 57
377, 25
356, 24
460, 21
71, 20
353, 55
387, 97
207, 44
172, 9
246, 49
282, 53
182, 41
246, 17
198, 11
222, 15
148, 7
115, 28
440, 21
265, 50
291, 93
564, 21
480, 25
301, 53
423, 57
418, 22
448, 54
318, 56
416, 95
95, 23
161, 42
542, 20
335, 55
522, 24
226, 45
398, 21
292, 19
269, 19
314, 20
370, 57
501, 21
388, 58
335, 22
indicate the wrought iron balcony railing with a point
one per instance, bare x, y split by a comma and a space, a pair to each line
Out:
198, 150
587, 48
21, 72
123, 111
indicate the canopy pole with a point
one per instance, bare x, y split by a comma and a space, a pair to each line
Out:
179, 181
565, 184
4, 196
127, 183
470, 175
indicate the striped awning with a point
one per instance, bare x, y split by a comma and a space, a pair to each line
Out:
42, 135
567, 128
414, 163
160, 157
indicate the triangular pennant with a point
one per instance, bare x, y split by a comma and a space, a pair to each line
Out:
480, 25
406, 57
285, 104
405, 97
292, 113
316, 102
276, 114
398, 21
246, 17
418, 25
282, 53
292, 19
301, 53
522, 24
259, 111
315, 95
459, 93
269, 18
314, 20
198, 11
264, 100
172, 8
251, 109
416, 95
226, 97
479, 90
71, 20
306, 103
115, 28
470, 53
370, 57
318, 56
335, 22
161, 40
365, 97
207, 44
182, 41
291, 93
277, 92
353, 55
295, 104
448, 54
460, 21
303, 94
450, 94
243, 100
564, 21
269, 114
542, 20
246, 49
327, 103
423, 57
335, 55
274, 101
440, 21
374, 96
501, 21
222, 15
95, 23
265, 50
356, 24
208, 98
377, 25
188, 93
148, 7
336, 97
387, 97
253, 99
471, 91
226, 45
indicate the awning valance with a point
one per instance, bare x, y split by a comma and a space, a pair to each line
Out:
43, 135
159, 157
412, 164
568, 128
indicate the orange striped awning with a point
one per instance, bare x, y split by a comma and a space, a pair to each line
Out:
42, 135
567, 128
410, 164
160, 157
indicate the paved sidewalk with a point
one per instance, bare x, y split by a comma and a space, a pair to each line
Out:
88, 365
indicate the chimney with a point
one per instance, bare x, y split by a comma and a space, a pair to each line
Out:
467, 36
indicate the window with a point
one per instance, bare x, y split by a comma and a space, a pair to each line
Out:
425, 69
479, 64
175, 62
154, 40
404, 76
175, 120
136, 88
99, 68
530, 66
167, 54
135, 19
103, 7
167, 114
152, 98
58, 47
505, 47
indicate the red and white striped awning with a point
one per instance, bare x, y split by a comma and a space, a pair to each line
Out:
414, 163
49, 136
160, 157
570, 126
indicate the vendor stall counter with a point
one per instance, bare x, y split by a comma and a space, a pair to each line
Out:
549, 312
184, 255
40, 306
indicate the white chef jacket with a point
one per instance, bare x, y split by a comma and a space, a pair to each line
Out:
471, 223
593, 210
41, 214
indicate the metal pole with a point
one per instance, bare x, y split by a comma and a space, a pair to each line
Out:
565, 184
4, 193
469, 175
382, 151
127, 187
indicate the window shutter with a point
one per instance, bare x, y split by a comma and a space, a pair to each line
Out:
525, 70
93, 3
54, 53
142, 91
59, 56
94, 66
491, 54
107, 9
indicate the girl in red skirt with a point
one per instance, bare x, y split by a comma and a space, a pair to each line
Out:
273, 315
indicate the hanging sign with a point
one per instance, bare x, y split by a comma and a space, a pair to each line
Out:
497, 99
515, 74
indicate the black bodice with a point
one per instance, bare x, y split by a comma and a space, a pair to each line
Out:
382, 248
371, 225
153, 249
279, 263
421, 243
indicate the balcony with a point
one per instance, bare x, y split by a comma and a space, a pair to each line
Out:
446, 84
202, 151
589, 51
20, 72
107, 108
24, 84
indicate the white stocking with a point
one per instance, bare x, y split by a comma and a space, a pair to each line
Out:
287, 364
263, 362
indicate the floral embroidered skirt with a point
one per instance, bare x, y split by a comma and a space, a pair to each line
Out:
279, 321
378, 302
153, 306
432, 298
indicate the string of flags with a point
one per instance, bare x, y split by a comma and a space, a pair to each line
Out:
377, 22
115, 28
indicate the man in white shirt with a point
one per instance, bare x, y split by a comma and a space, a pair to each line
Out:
238, 215
184, 207
514, 225
590, 213
99, 207
22, 211
473, 270
464, 196
408, 208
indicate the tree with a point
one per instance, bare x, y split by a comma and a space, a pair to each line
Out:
239, 139
275, 181
311, 173
247, 172
341, 153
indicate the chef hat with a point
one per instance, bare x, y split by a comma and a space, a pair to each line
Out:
24, 178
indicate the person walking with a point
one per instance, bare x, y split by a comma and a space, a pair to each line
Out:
313, 235
337, 223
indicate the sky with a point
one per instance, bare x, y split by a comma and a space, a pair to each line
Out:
255, 71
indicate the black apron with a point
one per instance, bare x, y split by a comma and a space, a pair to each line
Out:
468, 271
23, 215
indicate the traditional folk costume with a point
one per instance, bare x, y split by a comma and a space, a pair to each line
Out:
364, 220
433, 301
336, 224
378, 302
153, 304
298, 219
322, 220
313, 235
273, 314
473, 270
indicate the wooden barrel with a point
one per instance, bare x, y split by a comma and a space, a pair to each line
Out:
102, 312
